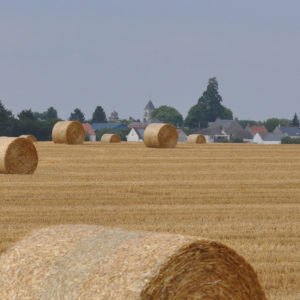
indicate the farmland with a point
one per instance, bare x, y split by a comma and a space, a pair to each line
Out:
246, 196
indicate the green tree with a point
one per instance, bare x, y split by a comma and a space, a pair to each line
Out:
244, 123
39, 116
77, 115
99, 115
272, 123
29, 123
51, 113
295, 122
26, 114
289, 140
208, 108
196, 117
168, 114
6, 121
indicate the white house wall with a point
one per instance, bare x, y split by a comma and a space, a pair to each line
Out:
257, 139
93, 138
132, 136
272, 142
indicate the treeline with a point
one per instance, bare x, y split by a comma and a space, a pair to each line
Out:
207, 109
28, 122
272, 123
41, 124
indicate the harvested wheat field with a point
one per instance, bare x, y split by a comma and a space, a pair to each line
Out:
100, 263
245, 196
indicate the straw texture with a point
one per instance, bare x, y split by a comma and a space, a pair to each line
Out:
68, 132
17, 156
110, 138
159, 135
29, 137
196, 139
94, 262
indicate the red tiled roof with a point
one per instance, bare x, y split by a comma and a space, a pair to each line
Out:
88, 128
258, 129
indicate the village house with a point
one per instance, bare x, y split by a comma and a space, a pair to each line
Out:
135, 135
90, 131
267, 138
254, 129
225, 130
115, 126
182, 137
292, 132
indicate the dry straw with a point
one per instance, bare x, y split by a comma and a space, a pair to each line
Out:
68, 132
93, 262
29, 137
196, 139
17, 156
110, 138
159, 135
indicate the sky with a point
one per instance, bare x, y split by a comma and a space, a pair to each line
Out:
119, 54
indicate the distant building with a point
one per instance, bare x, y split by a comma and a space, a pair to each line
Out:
114, 116
293, 132
116, 126
256, 129
143, 125
149, 108
267, 138
135, 135
225, 130
181, 136
90, 131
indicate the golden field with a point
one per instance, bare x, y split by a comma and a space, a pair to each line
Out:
246, 196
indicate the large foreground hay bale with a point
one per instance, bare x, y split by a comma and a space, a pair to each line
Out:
159, 135
93, 262
68, 132
110, 138
29, 137
196, 139
17, 156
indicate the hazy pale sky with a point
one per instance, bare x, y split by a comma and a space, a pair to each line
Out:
119, 53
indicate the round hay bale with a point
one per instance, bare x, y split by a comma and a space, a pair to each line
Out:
29, 137
110, 138
93, 262
159, 135
17, 156
68, 132
196, 139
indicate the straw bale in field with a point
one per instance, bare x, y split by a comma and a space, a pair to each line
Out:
110, 138
68, 132
94, 262
17, 156
159, 135
196, 139
30, 137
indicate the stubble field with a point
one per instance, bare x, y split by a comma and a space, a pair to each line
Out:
246, 196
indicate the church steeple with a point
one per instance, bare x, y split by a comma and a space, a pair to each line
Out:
149, 108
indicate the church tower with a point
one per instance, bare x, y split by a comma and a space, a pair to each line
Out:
149, 108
